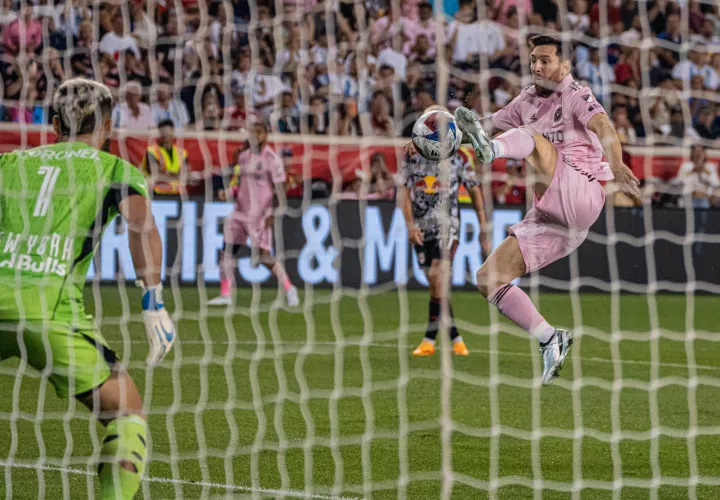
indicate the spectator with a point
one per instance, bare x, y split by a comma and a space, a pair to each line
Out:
706, 126
164, 162
50, 74
117, 42
81, 60
7, 13
287, 118
578, 18
371, 183
471, 39
317, 120
599, 74
211, 114
393, 57
134, 69
670, 57
510, 188
422, 101
425, 26
510, 56
697, 99
169, 49
132, 113
684, 71
397, 90
708, 35
628, 66
27, 110
143, 28
678, 129
699, 180
628, 14
623, 127
379, 124
166, 107
634, 33
24, 33
696, 17
240, 73
711, 72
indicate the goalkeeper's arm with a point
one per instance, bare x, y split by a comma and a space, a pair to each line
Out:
146, 251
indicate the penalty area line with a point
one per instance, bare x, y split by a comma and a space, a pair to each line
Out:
167, 480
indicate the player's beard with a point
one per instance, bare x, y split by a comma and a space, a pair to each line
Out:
547, 86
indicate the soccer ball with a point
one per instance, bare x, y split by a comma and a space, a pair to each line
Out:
436, 136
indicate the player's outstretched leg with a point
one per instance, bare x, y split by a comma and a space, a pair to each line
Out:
123, 454
494, 280
278, 270
517, 144
427, 346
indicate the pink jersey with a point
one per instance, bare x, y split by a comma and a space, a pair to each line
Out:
254, 182
562, 119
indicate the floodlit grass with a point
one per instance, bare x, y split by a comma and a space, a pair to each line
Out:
328, 400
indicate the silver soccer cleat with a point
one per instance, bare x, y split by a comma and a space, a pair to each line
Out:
472, 129
554, 354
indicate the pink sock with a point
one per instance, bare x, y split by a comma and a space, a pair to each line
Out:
279, 272
225, 287
515, 305
517, 144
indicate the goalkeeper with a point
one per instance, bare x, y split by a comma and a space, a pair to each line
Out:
428, 198
54, 204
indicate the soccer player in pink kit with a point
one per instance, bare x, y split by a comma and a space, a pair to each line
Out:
560, 130
258, 186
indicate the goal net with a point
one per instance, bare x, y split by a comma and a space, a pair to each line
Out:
325, 400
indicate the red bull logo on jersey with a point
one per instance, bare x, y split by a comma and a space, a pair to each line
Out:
46, 254
429, 185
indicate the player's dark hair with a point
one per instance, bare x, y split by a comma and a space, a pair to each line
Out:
166, 123
543, 40
81, 105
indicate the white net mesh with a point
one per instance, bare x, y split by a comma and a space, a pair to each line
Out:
325, 400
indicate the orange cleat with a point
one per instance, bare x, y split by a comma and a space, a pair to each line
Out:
460, 349
424, 349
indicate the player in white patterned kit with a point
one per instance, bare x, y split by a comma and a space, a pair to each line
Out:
560, 130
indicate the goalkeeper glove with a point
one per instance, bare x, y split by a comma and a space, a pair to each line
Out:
159, 327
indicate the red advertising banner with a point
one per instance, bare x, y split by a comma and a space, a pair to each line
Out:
311, 157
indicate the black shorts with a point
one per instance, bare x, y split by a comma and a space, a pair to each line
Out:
431, 250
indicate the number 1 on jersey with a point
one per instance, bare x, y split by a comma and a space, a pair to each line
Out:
50, 175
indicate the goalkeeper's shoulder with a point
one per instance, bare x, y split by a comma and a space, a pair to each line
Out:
122, 174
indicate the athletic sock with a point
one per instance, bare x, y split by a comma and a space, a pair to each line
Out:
516, 144
433, 320
454, 334
515, 305
279, 272
227, 273
225, 287
125, 442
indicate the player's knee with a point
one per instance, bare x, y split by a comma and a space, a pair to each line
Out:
482, 277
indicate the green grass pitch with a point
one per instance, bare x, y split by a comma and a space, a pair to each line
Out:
253, 387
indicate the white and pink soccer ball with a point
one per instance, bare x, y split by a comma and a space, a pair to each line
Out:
436, 135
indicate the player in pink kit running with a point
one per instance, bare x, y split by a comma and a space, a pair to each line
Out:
258, 183
560, 130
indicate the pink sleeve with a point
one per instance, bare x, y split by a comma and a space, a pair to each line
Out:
277, 169
584, 106
509, 117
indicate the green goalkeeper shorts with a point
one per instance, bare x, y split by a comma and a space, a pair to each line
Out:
76, 360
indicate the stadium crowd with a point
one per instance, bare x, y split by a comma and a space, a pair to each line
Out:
360, 68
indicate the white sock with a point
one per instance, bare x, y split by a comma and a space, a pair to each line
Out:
457, 339
498, 148
430, 341
543, 332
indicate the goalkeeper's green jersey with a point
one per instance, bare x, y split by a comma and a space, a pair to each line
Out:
55, 202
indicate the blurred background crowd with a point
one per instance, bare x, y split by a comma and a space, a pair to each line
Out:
367, 67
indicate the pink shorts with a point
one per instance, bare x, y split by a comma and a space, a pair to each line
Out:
559, 221
237, 230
